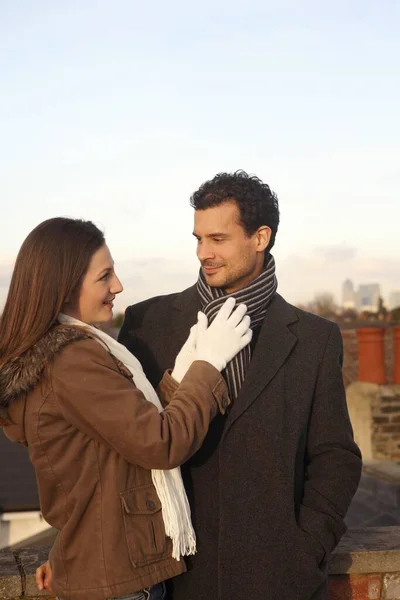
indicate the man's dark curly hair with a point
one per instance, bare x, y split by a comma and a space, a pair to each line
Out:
257, 203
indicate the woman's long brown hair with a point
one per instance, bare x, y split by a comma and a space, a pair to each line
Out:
48, 272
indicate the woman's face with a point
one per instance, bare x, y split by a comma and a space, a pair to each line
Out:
99, 288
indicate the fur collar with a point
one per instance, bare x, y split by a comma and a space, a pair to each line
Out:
21, 374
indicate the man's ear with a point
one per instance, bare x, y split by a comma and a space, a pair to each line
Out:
263, 236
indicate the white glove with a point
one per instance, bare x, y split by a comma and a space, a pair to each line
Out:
187, 354
228, 334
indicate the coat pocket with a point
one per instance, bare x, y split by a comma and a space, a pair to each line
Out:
312, 546
144, 525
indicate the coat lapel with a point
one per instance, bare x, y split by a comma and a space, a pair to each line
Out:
274, 344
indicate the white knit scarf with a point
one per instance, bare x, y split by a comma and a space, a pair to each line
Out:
168, 484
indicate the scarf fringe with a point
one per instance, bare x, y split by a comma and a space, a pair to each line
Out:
175, 511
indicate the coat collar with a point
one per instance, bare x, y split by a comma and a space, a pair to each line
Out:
186, 304
23, 373
188, 301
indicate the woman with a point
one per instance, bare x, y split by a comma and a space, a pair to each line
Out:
104, 453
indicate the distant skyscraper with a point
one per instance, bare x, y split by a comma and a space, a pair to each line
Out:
348, 295
394, 300
367, 298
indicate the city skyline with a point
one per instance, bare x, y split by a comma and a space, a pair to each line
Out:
367, 297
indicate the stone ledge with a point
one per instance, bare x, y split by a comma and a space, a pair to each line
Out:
365, 559
10, 578
17, 573
383, 470
371, 550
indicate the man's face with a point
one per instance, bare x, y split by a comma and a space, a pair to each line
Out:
230, 259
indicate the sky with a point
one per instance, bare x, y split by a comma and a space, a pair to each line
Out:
116, 111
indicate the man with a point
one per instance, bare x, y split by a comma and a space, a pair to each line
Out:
272, 483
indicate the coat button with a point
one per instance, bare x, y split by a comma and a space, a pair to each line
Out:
150, 505
224, 403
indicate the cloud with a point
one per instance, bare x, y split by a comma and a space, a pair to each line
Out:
337, 253
389, 177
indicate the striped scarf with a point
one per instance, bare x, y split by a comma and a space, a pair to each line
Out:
256, 296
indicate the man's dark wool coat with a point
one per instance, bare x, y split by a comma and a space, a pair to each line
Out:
272, 483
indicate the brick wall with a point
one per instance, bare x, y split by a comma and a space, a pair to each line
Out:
365, 586
385, 413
